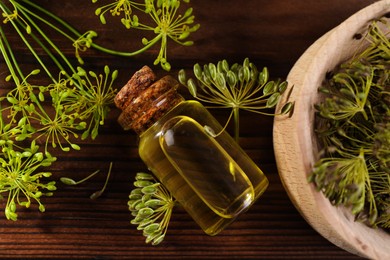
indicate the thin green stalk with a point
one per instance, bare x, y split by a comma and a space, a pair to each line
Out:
236, 120
78, 34
47, 39
28, 45
127, 54
9, 58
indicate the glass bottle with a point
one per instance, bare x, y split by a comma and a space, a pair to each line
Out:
210, 175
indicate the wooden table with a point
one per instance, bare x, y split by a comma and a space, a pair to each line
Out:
270, 33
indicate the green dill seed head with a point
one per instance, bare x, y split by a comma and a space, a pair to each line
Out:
353, 127
151, 205
238, 87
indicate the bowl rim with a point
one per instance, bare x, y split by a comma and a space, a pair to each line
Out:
295, 146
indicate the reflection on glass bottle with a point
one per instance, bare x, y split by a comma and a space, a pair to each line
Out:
210, 176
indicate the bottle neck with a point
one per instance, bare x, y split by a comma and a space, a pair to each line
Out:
144, 101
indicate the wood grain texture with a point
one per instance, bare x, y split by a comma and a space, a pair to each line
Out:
270, 33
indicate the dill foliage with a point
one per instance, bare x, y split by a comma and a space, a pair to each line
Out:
75, 103
353, 127
164, 18
38, 119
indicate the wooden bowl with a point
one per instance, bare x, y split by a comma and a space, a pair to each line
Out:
296, 147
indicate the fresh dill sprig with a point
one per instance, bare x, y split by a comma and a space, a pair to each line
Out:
120, 8
167, 23
79, 100
239, 87
74, 109
353, 127
92, 101
20, 176
151, 206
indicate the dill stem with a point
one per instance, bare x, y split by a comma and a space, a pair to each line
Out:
127, 54
78, 34
28, 45
236, 120
8, 56
27, 14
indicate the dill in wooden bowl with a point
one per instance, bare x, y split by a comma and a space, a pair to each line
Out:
333, 153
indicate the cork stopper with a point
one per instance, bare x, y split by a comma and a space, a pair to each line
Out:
143, 100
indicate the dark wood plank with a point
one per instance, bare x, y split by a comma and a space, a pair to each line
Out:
270, 33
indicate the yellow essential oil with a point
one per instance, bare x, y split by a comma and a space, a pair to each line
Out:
211, 177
